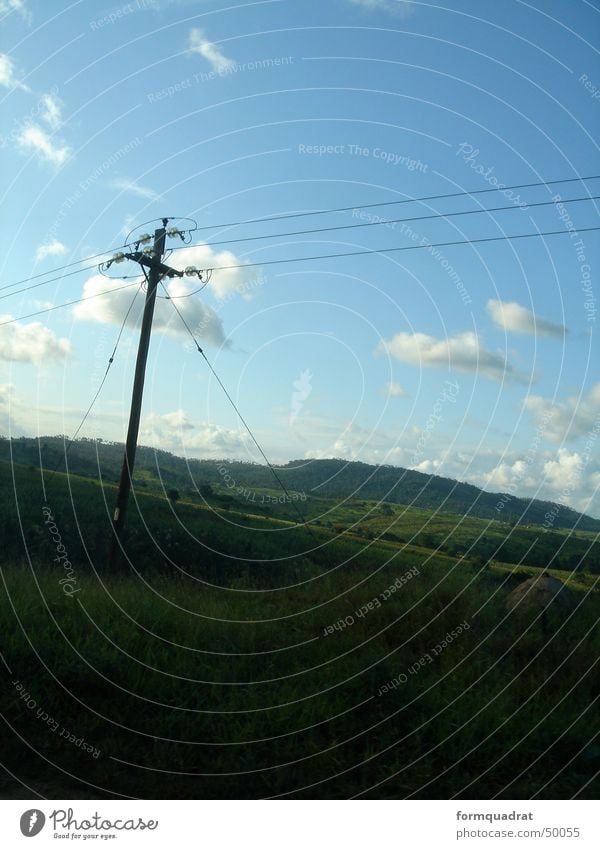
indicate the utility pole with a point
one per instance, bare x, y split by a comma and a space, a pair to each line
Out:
156, 272
154, 277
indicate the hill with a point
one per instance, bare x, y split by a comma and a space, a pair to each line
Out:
326, 478
234, 654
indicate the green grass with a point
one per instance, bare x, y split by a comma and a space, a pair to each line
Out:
201, 676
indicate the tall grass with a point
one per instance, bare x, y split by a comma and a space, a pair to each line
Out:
185, 697
195, 675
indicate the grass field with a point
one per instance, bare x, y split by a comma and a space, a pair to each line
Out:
236, 656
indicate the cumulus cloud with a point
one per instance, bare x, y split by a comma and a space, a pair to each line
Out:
208, 50
354, 442
566, 420
223, 284
565, 477
394, 390
564, 470
53, 248
200, 316
123, 184
505, 474
34, 139
512, 317
463, 352
13, 6
7, 398
31, 343
112, 308
177, 432
51, 111
7, 73
404, 8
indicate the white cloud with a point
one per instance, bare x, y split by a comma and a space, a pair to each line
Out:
53, 248
129, 225
209, 51
177, 432
7, 73
111, 309
510, 316
565, 477
31, 343
178, 420
35, 139
463, 352
404, 8
13, 6
201, 317
502, 476
564, 470
14, 413
367, 446
7, 399
428, 467
223, 284
394, 390
123, 184
51, 110
566, 420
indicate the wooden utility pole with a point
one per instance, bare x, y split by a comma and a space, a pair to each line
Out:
156, 273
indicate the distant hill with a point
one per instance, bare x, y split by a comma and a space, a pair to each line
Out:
328, 478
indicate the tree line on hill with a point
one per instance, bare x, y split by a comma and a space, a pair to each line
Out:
332, 478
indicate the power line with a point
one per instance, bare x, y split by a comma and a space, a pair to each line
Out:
432, 217
365, 252
67, 304
60, 268
241, 418
396, 202
43, 282
387, 221
99, 390
403, 248
321, 212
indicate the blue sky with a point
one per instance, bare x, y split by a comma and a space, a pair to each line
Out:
475, 362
